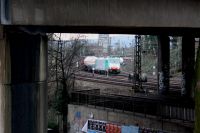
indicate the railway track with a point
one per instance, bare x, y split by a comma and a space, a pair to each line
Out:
122, 76
152, 85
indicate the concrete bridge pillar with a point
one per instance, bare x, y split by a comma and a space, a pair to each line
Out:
197, 92
163, 64
188, 57
23, 76
5, 85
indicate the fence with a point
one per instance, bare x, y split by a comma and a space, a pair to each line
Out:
169, 108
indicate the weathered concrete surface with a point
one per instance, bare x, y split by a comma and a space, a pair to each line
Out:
197, 93
5, 88
78, 115
42, 94
28, 78
23, 75
111, 13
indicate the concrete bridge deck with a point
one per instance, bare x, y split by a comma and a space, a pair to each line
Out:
134, 16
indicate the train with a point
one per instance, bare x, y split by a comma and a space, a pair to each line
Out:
102, 64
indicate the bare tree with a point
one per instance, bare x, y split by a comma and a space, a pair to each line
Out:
63, 64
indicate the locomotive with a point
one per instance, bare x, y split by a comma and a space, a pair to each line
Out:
101, 64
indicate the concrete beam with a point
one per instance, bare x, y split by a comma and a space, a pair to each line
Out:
105, 13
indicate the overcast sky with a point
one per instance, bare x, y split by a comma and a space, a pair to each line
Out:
68, 36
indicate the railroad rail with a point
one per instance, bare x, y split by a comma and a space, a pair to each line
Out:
119, 82
122, 76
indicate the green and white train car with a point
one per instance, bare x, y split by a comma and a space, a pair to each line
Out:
111, 65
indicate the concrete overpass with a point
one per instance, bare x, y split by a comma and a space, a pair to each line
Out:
23, 46
128, 16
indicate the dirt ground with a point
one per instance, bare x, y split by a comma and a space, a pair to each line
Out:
104, 88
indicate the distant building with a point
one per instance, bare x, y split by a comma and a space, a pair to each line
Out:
96, 50
104, 41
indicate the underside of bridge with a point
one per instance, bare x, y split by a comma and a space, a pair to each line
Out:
23, 47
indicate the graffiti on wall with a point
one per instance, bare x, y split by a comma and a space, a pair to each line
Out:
78, 122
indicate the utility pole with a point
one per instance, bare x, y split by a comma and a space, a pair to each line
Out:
137, 64
132, 61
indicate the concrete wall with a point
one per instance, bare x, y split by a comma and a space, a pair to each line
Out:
78, 115
109, 13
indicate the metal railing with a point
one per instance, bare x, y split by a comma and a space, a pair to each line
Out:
160, 107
